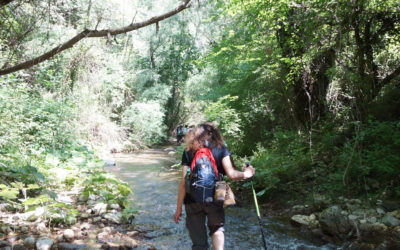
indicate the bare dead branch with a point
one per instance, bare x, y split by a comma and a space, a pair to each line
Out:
94, 33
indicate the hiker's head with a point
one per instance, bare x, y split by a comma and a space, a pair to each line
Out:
206, 132
188, 139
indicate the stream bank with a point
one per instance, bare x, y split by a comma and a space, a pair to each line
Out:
155, 184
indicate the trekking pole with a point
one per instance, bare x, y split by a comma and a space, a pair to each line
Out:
257, 210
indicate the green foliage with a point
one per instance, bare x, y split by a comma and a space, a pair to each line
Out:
108, 188
226, 119
145, 120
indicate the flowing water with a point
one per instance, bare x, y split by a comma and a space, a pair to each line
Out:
155, 186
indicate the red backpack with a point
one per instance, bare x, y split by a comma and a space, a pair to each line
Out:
203, 175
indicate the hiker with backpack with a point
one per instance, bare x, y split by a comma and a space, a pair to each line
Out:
205, 160
179, 134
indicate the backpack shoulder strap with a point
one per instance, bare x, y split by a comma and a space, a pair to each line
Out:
204, 152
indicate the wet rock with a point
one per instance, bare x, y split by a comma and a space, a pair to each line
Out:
70, 220
355, 201
334, 223
108, 230
100, 208
371, 220
4, 206
44, 243
24, 230
169, 149
114, 217
110, 246
18, 247
68, 234
115, 206
4, 244
32, 218
84, 216
301, 209
109, 163
83, 198
372, 229
390, 221
128, 242
29, 242
396, 213
171, 153
41, 227
305, 220
85, 226
380, 211
103, 237
391, 205
70, 246
353, 217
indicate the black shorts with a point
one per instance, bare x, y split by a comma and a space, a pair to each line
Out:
196, 214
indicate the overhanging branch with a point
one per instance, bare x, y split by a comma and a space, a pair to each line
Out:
391, 76
93, 33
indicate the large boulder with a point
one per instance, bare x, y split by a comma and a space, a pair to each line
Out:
333, 222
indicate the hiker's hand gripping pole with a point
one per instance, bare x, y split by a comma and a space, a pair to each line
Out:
257, 209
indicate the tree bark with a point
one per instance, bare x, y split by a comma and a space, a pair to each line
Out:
93, 33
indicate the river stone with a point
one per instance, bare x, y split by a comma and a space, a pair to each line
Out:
372, 229
18, 247
41, 227
29, 242
32, 218
372, 220
129, 242
114, 217
333, 222
70, 246
83, 198
69, 234
301, 209
4, 243
44, 243
396, 213
390, 221
115, 206
380, 211
100, 208
391, 205
169, 149
305, 220
109, 163
353, 217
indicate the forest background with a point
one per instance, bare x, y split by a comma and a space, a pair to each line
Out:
307, 90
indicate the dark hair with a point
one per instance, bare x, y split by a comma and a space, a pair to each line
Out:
198, 138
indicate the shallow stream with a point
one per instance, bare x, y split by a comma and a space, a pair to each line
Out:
155, 186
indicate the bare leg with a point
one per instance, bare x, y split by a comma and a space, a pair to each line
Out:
218, 239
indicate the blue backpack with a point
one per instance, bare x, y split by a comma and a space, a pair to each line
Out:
203, 175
